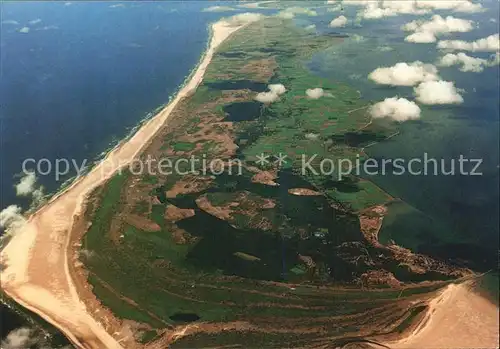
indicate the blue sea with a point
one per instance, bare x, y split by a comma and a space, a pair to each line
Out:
454, 216
86, 73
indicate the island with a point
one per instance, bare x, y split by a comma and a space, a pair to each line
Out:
242, 246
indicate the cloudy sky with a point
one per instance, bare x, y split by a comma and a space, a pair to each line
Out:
448, 29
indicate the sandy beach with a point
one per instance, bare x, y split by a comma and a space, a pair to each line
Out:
39, 263
457, 318
36, 260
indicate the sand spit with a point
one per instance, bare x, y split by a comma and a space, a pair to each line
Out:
36, 270
457, 318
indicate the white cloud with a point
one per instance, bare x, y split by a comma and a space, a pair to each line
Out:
275, 90
493, 20
278, 89
373, 11
421, 38
24, 30
359, 2
291, 12
218, 9
285, 15
311, 27
26, 185
426, 31
399, 109
469, 7
315, 93
10, 21
494, 60
35, 21
389, 8
404, 74
488, 44
376, 10
465, 6
48, 27
438, 92
404, 7
312, 136
338, 22
357, 38
267, 97
385, 48
11, 217
38, 195
20, 338
440, 25
255, 4
469, 63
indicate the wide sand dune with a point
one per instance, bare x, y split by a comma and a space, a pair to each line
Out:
457, 318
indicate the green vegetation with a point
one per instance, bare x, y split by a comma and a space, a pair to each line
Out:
183, 146
148, 336
408, 320
123, 309
108, 205
240, 338
141, 208
301, 127
237, 258
364, 194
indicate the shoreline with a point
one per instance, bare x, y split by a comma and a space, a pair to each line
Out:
457, 317
40, 280
143, 122
53, 226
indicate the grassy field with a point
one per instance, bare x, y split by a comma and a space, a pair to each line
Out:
166, 250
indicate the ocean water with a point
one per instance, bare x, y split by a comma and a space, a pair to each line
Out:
449, 216
85, 74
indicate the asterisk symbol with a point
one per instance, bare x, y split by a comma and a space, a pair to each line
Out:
280, 159
262, 159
